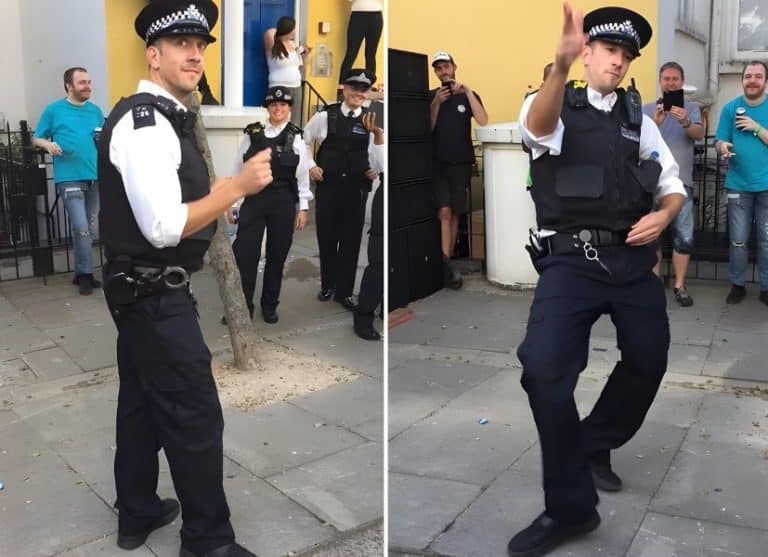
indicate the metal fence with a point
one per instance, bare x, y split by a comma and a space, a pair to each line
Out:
34, 229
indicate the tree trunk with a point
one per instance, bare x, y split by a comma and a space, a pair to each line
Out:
241, 330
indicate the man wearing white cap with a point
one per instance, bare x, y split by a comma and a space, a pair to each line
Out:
452, 107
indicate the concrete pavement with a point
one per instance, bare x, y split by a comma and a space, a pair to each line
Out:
299, 475
695, 475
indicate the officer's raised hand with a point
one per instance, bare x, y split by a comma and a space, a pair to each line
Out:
572, 40
256, 173
369, 123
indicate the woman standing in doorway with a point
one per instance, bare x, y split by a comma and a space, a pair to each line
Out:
284, 59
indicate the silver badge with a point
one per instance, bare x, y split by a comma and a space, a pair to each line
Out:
461, 108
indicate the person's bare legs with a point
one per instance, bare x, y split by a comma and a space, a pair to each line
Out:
657, 267
446, 230
680, 265
454, 233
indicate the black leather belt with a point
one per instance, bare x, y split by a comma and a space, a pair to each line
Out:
573, 242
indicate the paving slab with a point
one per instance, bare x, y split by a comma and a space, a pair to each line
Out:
344, 489
21, 337
50, 363
47, 516
363, 397
53, 314
513, 501
719, 474
15, 372
265, 521
738, 355
661, 536
279, 437
420, 508
105, 546
91, 345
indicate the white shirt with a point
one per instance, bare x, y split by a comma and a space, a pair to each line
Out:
302, 170
148, 160
316, 130
366, 6
284, 71
650, 142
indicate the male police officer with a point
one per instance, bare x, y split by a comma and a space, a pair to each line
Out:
597, 162
157, 219
342, 185
279, 208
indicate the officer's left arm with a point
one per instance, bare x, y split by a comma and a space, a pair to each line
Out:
670, 192
375, 154
302, 173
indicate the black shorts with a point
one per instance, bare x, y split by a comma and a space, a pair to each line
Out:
452, 185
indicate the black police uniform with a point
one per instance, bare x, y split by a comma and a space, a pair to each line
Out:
453, 153
340, 199
583, 190
372, 283
274, 210
167, 394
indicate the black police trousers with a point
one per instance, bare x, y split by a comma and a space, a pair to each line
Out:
572, 293
339, 218
372, 283
273, 210
168, 399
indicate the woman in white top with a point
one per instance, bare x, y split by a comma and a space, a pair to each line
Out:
365, 22
284, 59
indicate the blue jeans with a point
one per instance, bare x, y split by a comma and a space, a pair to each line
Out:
682, 226
743, 208
81, 200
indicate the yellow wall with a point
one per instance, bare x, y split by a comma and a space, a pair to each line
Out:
501, 48
125, 51
337, 13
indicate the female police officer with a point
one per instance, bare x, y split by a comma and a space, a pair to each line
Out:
597, 163
157, 217
275, 208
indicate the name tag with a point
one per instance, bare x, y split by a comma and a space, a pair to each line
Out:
357, 128
632, 135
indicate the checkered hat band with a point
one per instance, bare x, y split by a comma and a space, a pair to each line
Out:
190, 17
616, 28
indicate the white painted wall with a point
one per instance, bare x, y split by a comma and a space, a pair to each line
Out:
54, 37
13, 101
691, 54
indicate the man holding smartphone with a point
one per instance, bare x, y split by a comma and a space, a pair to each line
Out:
742, 138
453, 105
679, 122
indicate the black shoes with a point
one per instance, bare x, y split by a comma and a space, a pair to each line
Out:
546, 533
736, 294
602, 474
451, 277
764, 296
86, 282
231, 550
269, 315
346, 302
367, 332
683, 298
326, 294
169, 509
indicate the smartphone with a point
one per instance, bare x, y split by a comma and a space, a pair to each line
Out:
673, 98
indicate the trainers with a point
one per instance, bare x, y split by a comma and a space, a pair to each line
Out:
451, 277
546, 533
683, 298
736, 294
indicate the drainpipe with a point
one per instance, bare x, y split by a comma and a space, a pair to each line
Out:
714, 50
234, 31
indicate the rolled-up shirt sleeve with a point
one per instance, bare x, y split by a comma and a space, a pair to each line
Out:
551, 143
302, 173
148, 160
376, 156
653, 146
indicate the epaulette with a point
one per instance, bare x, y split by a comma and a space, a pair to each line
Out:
143, 116
254, 128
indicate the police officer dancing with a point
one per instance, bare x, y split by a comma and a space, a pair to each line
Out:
157, 217
597, 165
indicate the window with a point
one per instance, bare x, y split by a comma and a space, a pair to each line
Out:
752, 33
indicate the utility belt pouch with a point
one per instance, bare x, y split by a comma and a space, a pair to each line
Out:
120, 287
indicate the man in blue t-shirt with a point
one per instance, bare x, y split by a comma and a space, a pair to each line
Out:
67, 130
743, 140
680, 127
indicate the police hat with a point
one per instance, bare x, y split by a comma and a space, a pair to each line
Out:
619, 26
359, 78
166, 18
278, 94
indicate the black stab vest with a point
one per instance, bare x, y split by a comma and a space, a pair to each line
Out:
119, 231
345, 149
597, 181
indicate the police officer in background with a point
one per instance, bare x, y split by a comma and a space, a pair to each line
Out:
157, 217
279, 208
342, 185
598, 163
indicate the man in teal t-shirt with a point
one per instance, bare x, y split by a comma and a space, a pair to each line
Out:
743, 140
67, 130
